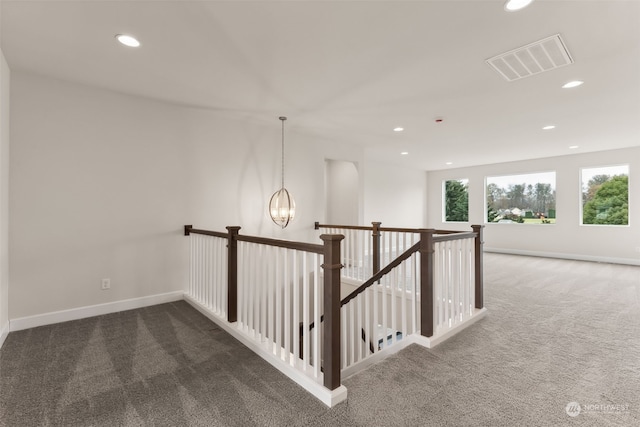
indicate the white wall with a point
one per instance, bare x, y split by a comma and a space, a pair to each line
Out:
567, 238
4, 197
394, 195
102, 183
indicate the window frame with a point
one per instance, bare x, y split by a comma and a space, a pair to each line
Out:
581, 192
553, 188
444, 200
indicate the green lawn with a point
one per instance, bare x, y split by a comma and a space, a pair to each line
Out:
538, 221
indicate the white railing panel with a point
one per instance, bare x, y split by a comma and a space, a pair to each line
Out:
454, 283
381, 315
280, 295
208, 272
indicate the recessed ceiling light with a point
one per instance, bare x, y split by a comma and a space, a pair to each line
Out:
573, 147
548, 127
127, 40
571, 84
449, 163
398, 129
513, 5
404, 153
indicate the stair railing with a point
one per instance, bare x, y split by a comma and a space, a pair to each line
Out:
431, 288
262, 289
271, 294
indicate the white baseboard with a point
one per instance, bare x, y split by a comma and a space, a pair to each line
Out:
378, 356
560, 255
415, 338
433, 341
92, 310
326, 396
4, 331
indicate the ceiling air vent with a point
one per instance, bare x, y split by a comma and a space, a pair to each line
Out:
544, 55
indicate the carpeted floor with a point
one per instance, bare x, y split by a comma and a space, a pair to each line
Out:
557, 332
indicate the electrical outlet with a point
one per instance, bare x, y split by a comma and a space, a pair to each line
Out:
106, 284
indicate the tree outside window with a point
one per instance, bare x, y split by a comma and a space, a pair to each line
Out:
456, 200
524, 199
605, 195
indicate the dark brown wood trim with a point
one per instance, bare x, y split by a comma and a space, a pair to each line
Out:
426, 283
380, 274
300, 246
375, 235
207, 233
232, 273
457, 236
346, 227
317, 226
331, 303
479, 262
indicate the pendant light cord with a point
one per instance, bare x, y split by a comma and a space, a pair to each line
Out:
282, 119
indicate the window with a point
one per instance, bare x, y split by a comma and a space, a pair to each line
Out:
525, 199
605, 195
456, 200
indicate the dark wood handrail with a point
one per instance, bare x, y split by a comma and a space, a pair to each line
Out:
300, 246
457, 236
393, 264
288, 244
376, 277
318, 226
188, 229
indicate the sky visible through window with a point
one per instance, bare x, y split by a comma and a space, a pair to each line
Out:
588, 173
529, 178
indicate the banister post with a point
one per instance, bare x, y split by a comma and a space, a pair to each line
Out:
331, 338
376, 246
479, 288
316, 225
187, 230
232, 274
426, 282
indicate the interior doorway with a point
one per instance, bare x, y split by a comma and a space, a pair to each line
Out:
341, 192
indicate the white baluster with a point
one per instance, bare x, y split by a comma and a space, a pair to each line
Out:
305, 312
317, 311
287, 305
295, 280
358, 332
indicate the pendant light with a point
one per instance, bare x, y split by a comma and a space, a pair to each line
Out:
282, 207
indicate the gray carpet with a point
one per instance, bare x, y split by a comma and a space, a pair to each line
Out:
557, 332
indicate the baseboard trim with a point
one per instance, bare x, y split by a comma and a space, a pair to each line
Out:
560, 255
433, 341
4, 331
92, 310
378, 356
329, 397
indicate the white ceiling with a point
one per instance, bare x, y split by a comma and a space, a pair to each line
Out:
353, 70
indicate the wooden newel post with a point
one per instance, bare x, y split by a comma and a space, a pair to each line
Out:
376, 247
426, 282
187, 230
232, 274
478, 266
331, 338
